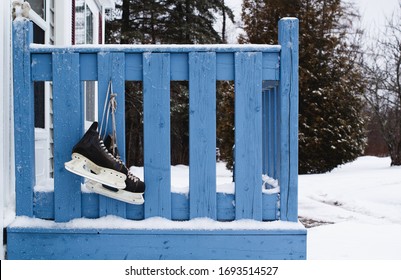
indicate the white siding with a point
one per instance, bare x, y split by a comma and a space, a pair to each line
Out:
7, 201
62, 22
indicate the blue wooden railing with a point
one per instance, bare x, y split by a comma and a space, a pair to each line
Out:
266, 124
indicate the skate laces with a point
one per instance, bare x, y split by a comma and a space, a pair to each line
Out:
110, 107
108, 153
132, 176
118, 160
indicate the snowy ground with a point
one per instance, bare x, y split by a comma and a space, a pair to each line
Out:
353, 212
357, 208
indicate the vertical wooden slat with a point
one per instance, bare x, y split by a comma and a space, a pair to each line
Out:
157, 158
68, 124
288, 119
111, 66
24, 138
202, 134
248, 135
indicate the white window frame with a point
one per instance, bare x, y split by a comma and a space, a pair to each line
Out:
91, 5
42, 135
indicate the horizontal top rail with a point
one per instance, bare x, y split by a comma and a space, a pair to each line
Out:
42, 60
219, 48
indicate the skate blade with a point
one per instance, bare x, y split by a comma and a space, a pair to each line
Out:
118, 194
84, 167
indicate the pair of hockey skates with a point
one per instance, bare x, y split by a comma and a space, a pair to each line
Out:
99, 161
107, 175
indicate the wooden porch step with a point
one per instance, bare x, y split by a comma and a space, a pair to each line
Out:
154, 239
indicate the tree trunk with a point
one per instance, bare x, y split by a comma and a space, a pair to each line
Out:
125, 26
223, 31
395, 155
187, 22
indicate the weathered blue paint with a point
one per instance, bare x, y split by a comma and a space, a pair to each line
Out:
109, 244
179, 70
89, 202
266, 101
67, 101
288, 118
248, 135
111, 67
89, 68
44, 207
202, 128
23, 119
133, 67
156, 99
42, 66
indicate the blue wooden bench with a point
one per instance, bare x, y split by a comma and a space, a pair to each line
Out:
251, 224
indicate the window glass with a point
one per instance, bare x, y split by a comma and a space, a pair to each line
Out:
89, 26
83, 23
90, 101
39, 87
39, 7
80, 22
84, 35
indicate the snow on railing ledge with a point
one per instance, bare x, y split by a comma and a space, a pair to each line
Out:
172, 48
154, 223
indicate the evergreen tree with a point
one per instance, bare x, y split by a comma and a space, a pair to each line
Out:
225, 121
166, 21
163, 22
136, 21
331, 130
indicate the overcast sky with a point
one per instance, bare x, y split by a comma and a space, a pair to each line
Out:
375, 12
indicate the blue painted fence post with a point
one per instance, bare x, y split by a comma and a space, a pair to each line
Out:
24, 136
111, 67
288, 119
202, 127
248, 135
156, 121
68, 128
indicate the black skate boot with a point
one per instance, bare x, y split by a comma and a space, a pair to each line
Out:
135, 184
132, 194
107, 174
